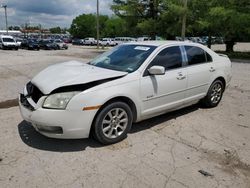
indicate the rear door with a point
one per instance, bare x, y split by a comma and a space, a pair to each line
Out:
162, 92
199, 69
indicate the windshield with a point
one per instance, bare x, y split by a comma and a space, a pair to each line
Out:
8, 40
126, 58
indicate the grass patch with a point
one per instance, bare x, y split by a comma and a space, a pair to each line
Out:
236, 55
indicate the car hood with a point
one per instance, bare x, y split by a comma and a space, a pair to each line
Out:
71, 73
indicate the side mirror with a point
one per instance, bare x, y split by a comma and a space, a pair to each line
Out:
156, 70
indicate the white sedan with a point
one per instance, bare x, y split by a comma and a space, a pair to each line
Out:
130, 83
107, 42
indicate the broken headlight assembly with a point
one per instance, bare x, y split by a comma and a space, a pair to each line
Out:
59, 100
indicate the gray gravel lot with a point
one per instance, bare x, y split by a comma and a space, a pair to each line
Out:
165, 151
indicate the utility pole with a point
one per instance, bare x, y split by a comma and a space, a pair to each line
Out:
97, 24
6, 21
184, 21
153, 13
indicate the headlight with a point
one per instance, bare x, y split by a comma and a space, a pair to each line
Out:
59, 100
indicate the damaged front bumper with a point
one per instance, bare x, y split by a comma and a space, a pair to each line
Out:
65, 124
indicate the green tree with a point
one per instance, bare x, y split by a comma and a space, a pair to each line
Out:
102, 24
135, 12
83, 26
55, 30
114, 27
231, 19
170, 20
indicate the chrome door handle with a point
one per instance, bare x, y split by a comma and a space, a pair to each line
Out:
180, 76
211, 69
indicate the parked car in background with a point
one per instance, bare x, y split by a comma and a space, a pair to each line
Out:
78, 42
8, 42
18, 41
30, 44
48, 45
139, 39
197, 40
90, 41
67, 40
107, 42
121, 40
60, 44
130, 83
217, 40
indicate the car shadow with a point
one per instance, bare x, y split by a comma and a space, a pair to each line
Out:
147, 124
36, 140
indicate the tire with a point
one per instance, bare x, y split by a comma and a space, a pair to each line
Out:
214, 94
112, 123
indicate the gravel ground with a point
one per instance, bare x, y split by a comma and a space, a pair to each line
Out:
165, 151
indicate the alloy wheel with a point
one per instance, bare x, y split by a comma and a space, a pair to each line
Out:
115, 123
216, 93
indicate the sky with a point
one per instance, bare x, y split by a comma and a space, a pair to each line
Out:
49, 13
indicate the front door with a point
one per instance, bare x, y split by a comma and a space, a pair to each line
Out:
162, 92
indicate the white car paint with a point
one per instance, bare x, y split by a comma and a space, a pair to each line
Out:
11, 44
107, 42
151, 95
71, 73
90, 41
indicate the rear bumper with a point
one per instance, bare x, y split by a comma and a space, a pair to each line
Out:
74, 124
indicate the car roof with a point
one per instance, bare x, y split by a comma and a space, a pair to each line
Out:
158, 43
6, 36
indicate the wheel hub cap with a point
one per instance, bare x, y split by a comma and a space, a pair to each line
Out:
216, 93
115, 123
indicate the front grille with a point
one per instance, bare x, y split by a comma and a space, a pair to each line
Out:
26, 103
50, 129
33, 92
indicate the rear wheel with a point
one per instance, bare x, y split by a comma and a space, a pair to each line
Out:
113, 123
214, 94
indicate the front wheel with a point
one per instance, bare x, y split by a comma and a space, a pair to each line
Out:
214, 94
113, 123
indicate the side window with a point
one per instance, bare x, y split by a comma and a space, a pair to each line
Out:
195, 55
170, 58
